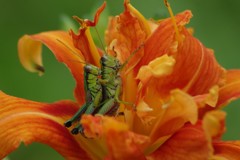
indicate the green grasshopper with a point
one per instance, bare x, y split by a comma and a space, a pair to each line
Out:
93, 91
93, 94
112, 84
102, 89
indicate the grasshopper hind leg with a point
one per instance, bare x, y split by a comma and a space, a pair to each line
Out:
85, 109
76, 116
113, 110
78, 129
109, 108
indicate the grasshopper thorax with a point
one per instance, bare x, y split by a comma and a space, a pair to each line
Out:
110, 62
91, 69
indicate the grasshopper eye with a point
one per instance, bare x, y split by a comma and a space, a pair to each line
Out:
87, 68
118, 64
104, 59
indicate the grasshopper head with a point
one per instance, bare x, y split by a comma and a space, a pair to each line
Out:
110, 62
91, 69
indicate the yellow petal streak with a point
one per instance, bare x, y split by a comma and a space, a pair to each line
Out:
84, 42
159, 67
141, 18
181, 109
188, 143
213, 124
61, 45
120, 141
27, 121
212, 97
228, 150
231, 90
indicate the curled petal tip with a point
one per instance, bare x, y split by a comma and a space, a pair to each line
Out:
79, 20
89, 23
126, 2
25, 121
30, 54
96, 17
40, 69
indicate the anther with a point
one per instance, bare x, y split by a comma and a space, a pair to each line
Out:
173, 20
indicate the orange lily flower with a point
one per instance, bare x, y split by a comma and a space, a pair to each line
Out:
174, 81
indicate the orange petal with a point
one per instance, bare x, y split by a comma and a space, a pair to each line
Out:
214, 123
161, 66
210, 98
188, 143
27, 121
229, 150
83, 40
120, 142
157, 68
162, 38
60, 43
126, 33
177, 112
231, 90
196, 69
228, 92
214, 126
97, 15
30, 54
208, 101
143, 22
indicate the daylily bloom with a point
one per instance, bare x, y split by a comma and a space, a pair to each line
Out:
175, 82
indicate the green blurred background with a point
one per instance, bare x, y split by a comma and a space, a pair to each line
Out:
216, 24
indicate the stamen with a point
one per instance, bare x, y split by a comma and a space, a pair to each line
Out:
179, 39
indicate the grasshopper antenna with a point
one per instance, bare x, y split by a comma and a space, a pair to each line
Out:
76, 54
101, 42
131, 55
167, 4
